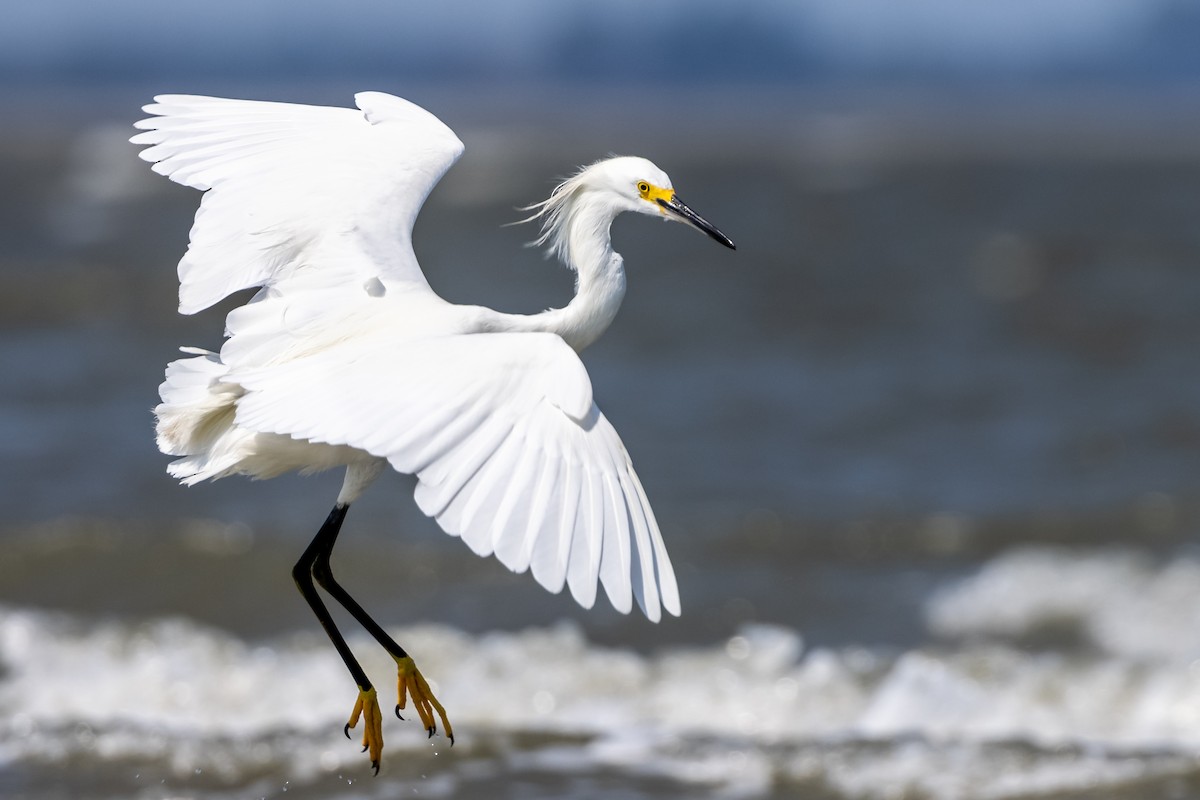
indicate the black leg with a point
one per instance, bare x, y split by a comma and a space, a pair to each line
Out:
303, 573
324, 576
314, 564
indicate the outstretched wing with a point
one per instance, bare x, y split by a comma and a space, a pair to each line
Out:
510, 450
297, 197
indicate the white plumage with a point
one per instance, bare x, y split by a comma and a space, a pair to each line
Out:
503, 435
301, 196
346, 358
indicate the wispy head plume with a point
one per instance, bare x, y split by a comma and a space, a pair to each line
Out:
555, 214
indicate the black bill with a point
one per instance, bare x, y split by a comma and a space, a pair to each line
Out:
680, 209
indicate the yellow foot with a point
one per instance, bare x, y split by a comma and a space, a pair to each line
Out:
410, 681
368, 707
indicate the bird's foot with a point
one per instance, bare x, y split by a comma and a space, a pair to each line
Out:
409, 681
367, 706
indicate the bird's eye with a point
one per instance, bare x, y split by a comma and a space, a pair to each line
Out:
643, 188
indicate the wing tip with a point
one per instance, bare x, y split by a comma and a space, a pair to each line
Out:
671, 604
620, 597
583, 593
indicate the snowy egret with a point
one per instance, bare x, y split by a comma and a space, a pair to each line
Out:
346, 357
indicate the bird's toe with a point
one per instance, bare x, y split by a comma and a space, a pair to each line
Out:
367, 707
410, 682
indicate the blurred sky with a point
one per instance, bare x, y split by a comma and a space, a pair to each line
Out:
1004, 41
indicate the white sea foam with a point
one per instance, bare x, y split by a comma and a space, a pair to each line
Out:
739, 717
1119, 601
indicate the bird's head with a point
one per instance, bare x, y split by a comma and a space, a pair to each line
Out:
608, 187
637, 184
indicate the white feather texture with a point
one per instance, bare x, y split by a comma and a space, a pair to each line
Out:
292, 186
346, 357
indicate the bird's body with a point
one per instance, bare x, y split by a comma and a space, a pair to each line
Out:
346, 357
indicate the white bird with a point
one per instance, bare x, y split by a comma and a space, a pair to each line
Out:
346, 357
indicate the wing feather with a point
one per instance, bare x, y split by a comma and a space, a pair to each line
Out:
644, 581
508, 457
510, 525
442, 483
549, 562
480, 497
288, 186
584, 569
614, 562
531, 528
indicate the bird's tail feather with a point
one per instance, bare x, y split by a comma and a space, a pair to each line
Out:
195, 418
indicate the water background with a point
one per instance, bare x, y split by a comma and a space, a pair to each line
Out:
924, 450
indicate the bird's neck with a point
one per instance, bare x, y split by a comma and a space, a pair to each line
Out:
583, 242
599, 289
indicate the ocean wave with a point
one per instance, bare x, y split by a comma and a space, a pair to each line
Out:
742, 717
1119, 601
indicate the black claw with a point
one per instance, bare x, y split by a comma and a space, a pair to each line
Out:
365, 748
452, 740
398, 712
432, 731
375, 766
346, 730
